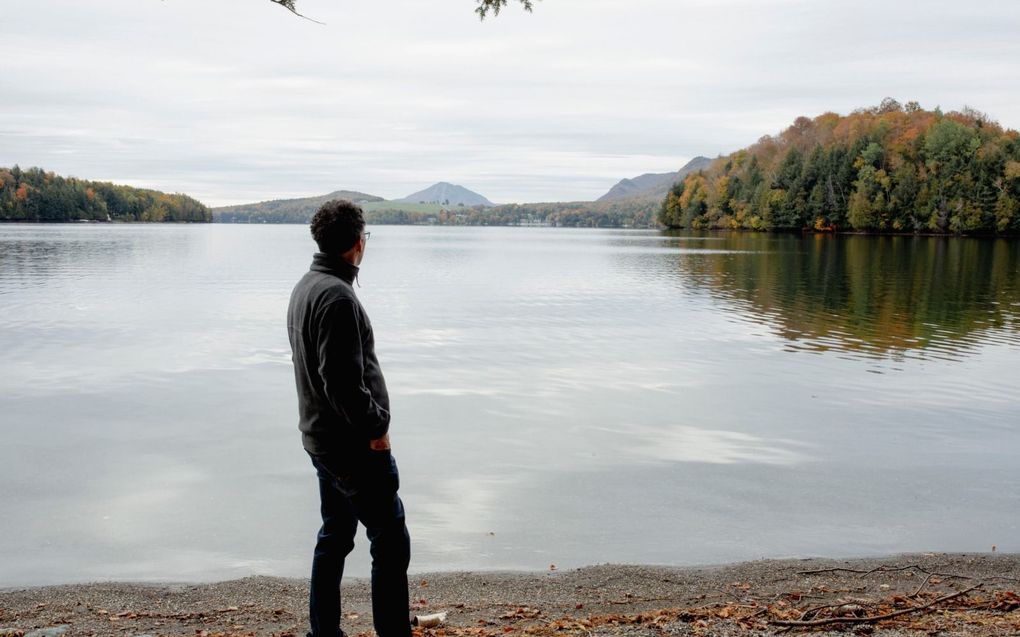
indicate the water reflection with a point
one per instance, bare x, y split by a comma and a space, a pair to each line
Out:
682, 443
557, 394
895, 297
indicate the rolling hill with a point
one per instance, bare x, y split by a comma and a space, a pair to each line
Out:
285, 210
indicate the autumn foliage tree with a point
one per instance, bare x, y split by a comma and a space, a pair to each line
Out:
891, 168
37, 195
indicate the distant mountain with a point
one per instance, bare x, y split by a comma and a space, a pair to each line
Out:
285, 210
448, 195
653, 185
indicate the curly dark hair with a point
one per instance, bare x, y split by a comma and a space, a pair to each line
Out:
337, 226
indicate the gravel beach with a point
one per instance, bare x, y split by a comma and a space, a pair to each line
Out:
923, 591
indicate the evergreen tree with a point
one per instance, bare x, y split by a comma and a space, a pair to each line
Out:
886, 168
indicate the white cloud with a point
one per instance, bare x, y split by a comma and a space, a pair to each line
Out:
237, 100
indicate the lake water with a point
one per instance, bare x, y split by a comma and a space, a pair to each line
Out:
560, 396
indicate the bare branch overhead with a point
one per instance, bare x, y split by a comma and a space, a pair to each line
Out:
485, 7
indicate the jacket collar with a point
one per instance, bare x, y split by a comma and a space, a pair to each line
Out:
336, 266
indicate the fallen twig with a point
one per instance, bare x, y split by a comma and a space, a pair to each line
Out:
923, 584
636, 600
804, 616
842, 569
886, 569
762, 611
873, 618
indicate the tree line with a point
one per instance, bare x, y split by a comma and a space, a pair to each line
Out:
34, 194
577, 214
624, 213
890, 168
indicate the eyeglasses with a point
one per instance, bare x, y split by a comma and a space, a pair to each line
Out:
367, 235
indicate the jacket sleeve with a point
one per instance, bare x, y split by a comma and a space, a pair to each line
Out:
342, 368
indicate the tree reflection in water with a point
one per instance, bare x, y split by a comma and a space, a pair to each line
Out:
872, 296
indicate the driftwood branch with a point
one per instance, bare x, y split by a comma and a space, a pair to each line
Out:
923, 584
886, 569
873, 618
814, 610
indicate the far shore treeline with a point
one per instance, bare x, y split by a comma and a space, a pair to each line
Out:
636, 213
627, 213
891, 168
34, 194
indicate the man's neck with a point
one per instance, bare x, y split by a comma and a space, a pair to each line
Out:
335, 265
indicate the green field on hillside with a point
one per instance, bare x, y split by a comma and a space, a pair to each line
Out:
369, 206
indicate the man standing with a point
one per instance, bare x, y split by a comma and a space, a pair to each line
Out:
344, 420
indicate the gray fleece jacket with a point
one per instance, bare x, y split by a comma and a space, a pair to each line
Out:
342, 399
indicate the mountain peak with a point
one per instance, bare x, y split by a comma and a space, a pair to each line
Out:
447, 194
652, 185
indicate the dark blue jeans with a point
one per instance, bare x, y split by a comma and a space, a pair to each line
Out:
351, 491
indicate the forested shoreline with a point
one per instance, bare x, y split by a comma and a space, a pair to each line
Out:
887, 169
576, 214
895, 169
625, 213
36, 195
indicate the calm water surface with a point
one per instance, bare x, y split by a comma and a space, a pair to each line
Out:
560, 397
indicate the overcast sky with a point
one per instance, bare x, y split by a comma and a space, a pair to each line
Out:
235, 101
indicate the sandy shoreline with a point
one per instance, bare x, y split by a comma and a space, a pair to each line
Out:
737, 599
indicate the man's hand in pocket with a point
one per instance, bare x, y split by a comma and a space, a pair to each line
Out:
380, 444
